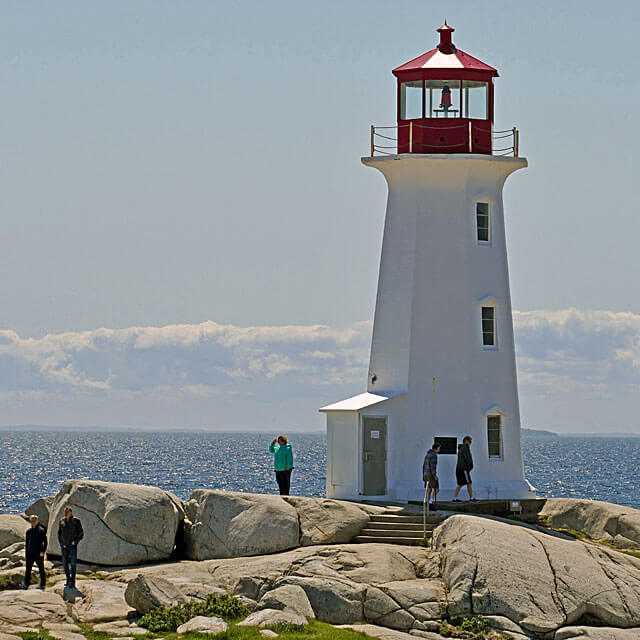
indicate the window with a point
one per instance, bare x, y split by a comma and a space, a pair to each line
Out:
488, 326
476, 99
482, 221
411, 100
494, 436
442, 99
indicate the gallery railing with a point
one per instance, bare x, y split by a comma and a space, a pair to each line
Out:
411, 138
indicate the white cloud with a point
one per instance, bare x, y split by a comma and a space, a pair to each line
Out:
576, 369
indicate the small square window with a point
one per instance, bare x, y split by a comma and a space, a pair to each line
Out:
488, 326
482, 221
494, 436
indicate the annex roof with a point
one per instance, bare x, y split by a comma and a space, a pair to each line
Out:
361, 401
445, 56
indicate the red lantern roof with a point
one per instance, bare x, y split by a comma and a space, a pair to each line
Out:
445, 57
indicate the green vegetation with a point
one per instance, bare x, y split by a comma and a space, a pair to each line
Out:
476, 628
170, 618
90, 634
580, 535
313, 631
43, 634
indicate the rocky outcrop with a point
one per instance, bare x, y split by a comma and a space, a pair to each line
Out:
12, 529
124, 524
327, 521
144, 593
40, 508
599, 520
31, 608
342, 583
225, 524
539, 580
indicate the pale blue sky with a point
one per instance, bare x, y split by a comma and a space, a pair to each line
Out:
184, 162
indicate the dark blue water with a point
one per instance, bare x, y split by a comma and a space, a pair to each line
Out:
35, 463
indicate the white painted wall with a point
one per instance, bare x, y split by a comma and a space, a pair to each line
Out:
434, 278
343, 454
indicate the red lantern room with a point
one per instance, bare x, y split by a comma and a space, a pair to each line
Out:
445, 101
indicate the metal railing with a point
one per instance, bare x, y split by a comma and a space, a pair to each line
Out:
511, 139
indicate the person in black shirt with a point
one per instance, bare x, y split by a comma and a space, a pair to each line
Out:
35, 546
463, 469
69, 534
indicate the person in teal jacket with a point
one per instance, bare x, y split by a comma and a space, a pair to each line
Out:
282, 463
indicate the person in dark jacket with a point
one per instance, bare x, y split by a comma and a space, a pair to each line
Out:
34, 548
69, 535
463, 469
430, 474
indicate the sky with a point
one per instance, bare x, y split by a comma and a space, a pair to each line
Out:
189, 237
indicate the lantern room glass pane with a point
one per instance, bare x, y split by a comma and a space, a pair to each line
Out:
476, 99
442, 98
411, 100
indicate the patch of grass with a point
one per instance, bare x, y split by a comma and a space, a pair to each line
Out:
90, 634
170, 618
313, 631
92, 575
578, 535
476, 628
43, 634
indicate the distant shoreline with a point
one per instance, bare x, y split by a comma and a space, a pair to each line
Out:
526, 433
543, 433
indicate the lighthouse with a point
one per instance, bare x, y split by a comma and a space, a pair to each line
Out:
442, 362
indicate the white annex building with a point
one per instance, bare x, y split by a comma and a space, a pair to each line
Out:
442, 356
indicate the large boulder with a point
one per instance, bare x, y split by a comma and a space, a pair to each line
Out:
327, 521
289, 597
40, 508
210, 625
224, 524
273, 618
599, 520
539, 580
333, 600
124, 524
144, 593
13, 528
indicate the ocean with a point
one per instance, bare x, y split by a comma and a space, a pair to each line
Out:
35, 463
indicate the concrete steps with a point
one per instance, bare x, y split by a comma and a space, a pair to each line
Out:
396, 528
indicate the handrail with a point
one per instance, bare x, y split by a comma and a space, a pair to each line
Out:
512, 149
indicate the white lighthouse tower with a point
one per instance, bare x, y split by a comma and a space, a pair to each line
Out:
442, 356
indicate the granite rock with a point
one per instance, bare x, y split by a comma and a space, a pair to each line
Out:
13, 528
204, 624
124, 524
144, 593
226, 524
